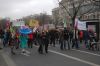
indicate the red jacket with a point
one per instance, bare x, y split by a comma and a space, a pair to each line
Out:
30, 36
81, 34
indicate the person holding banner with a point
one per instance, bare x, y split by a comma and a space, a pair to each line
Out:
75, 39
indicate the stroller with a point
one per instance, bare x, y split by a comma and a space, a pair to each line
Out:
93, 43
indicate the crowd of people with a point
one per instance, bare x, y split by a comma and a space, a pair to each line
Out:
63, 37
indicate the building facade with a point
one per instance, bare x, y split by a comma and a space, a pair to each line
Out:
89, 10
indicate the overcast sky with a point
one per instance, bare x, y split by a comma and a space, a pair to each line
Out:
19, 8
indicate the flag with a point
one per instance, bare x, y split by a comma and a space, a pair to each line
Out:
65, 23
34, 23
76, 23
11, 29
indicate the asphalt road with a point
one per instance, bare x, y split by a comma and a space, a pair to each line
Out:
55, 57
2, 61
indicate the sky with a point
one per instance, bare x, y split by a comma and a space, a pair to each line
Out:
19, 8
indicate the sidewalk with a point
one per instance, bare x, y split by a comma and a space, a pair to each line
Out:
2, 61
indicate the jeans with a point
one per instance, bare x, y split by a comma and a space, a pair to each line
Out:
66, 42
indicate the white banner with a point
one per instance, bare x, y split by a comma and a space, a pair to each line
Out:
81, 25
18, 23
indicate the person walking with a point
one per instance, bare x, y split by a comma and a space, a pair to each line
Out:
75, 39
1, 38
61, 40
17, 39
86, 38
40, 41
45, 38
7, 37
52, 37
80, 36
71, 36
44, 42
66, 38
23, 43
12, 43
30, 40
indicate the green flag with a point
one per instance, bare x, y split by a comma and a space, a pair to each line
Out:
11, 29
65, 23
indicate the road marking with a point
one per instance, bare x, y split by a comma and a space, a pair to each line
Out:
25, 54
87, 52
8, 60
74, 58
83, 52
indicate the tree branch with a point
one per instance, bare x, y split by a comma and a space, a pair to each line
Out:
65, 9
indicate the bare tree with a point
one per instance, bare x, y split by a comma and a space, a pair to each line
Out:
43, 18
78, 8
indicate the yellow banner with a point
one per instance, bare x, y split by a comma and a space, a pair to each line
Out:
33, 23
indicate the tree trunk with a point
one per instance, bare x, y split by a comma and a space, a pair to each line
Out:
73, 22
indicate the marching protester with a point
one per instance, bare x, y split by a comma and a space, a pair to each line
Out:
75, 39
57, 36
1, 38
52, 37
7, 37
17, 39
44, 42
86, 38
40, 49
80, 33
12, 43
71, 36
30, 40
23, 43
66, 38
61, 38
